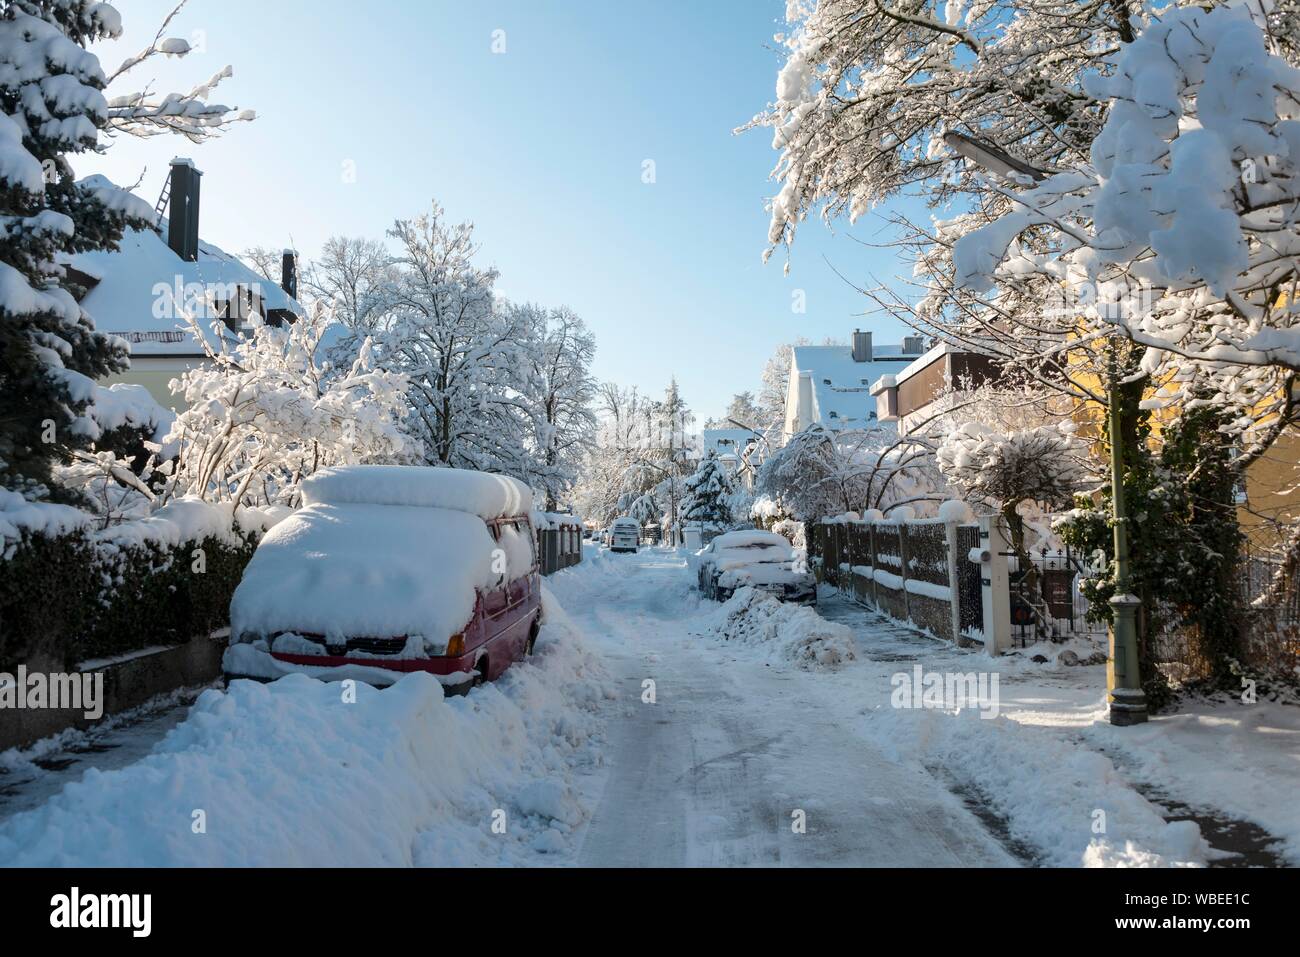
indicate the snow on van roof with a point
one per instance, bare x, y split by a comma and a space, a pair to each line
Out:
359, 570
478, 493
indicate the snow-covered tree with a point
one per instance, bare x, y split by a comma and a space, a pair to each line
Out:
708, 492
1178, 229
465, 357
144, 112
643, 450
1004, 472
870, 87
818, 473
269, 412
743, 411
772, 395
55, 107
562, 391
354, 275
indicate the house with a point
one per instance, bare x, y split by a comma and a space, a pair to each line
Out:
734, 448
142, 292
831, 385
1269, 501
929, 385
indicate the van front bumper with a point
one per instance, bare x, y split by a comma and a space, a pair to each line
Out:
456, 675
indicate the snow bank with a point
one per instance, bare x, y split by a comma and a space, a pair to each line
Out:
1054, 793
366, 570
1239, 758
290, 774
479, 493
787, 632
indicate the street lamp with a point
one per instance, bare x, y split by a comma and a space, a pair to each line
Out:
992, 158
1128, 703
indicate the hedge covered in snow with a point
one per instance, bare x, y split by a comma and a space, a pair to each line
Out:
70, 592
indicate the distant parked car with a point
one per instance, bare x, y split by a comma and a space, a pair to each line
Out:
763, 560
624, 535
389, 570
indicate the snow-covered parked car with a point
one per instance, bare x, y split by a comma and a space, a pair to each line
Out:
388, 570
763, 560
624, 535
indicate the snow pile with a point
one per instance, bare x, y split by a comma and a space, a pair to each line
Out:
1239, 758
788, 632
478, 493
291, 774
367, 570
1065, 800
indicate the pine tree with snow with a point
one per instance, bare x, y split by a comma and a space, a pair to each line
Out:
708, 493
54, 107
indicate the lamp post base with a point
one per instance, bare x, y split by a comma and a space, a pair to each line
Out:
1128, 706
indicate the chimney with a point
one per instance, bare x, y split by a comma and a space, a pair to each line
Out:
289, 273
913, 345
862, 346
183, 222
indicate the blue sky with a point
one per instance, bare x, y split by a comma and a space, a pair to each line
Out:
542, 147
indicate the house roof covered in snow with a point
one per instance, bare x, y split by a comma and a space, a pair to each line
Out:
142, 292
841, 386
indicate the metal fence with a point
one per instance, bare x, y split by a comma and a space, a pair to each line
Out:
558, 548
906, 562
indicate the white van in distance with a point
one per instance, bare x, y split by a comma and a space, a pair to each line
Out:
624, 535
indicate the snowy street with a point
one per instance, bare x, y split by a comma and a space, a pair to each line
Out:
637, 737
712, 773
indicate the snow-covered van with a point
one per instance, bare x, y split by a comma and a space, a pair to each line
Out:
624, 535
388, 570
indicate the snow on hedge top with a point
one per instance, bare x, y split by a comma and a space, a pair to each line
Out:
364, 570
478, 493
20, 516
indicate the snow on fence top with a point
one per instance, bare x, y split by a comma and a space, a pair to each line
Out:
557, 520
478, 493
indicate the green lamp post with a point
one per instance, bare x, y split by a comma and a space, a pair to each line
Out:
1128, 704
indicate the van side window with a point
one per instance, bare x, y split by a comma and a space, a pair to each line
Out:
516, 541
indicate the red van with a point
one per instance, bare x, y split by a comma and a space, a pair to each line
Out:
388, 570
